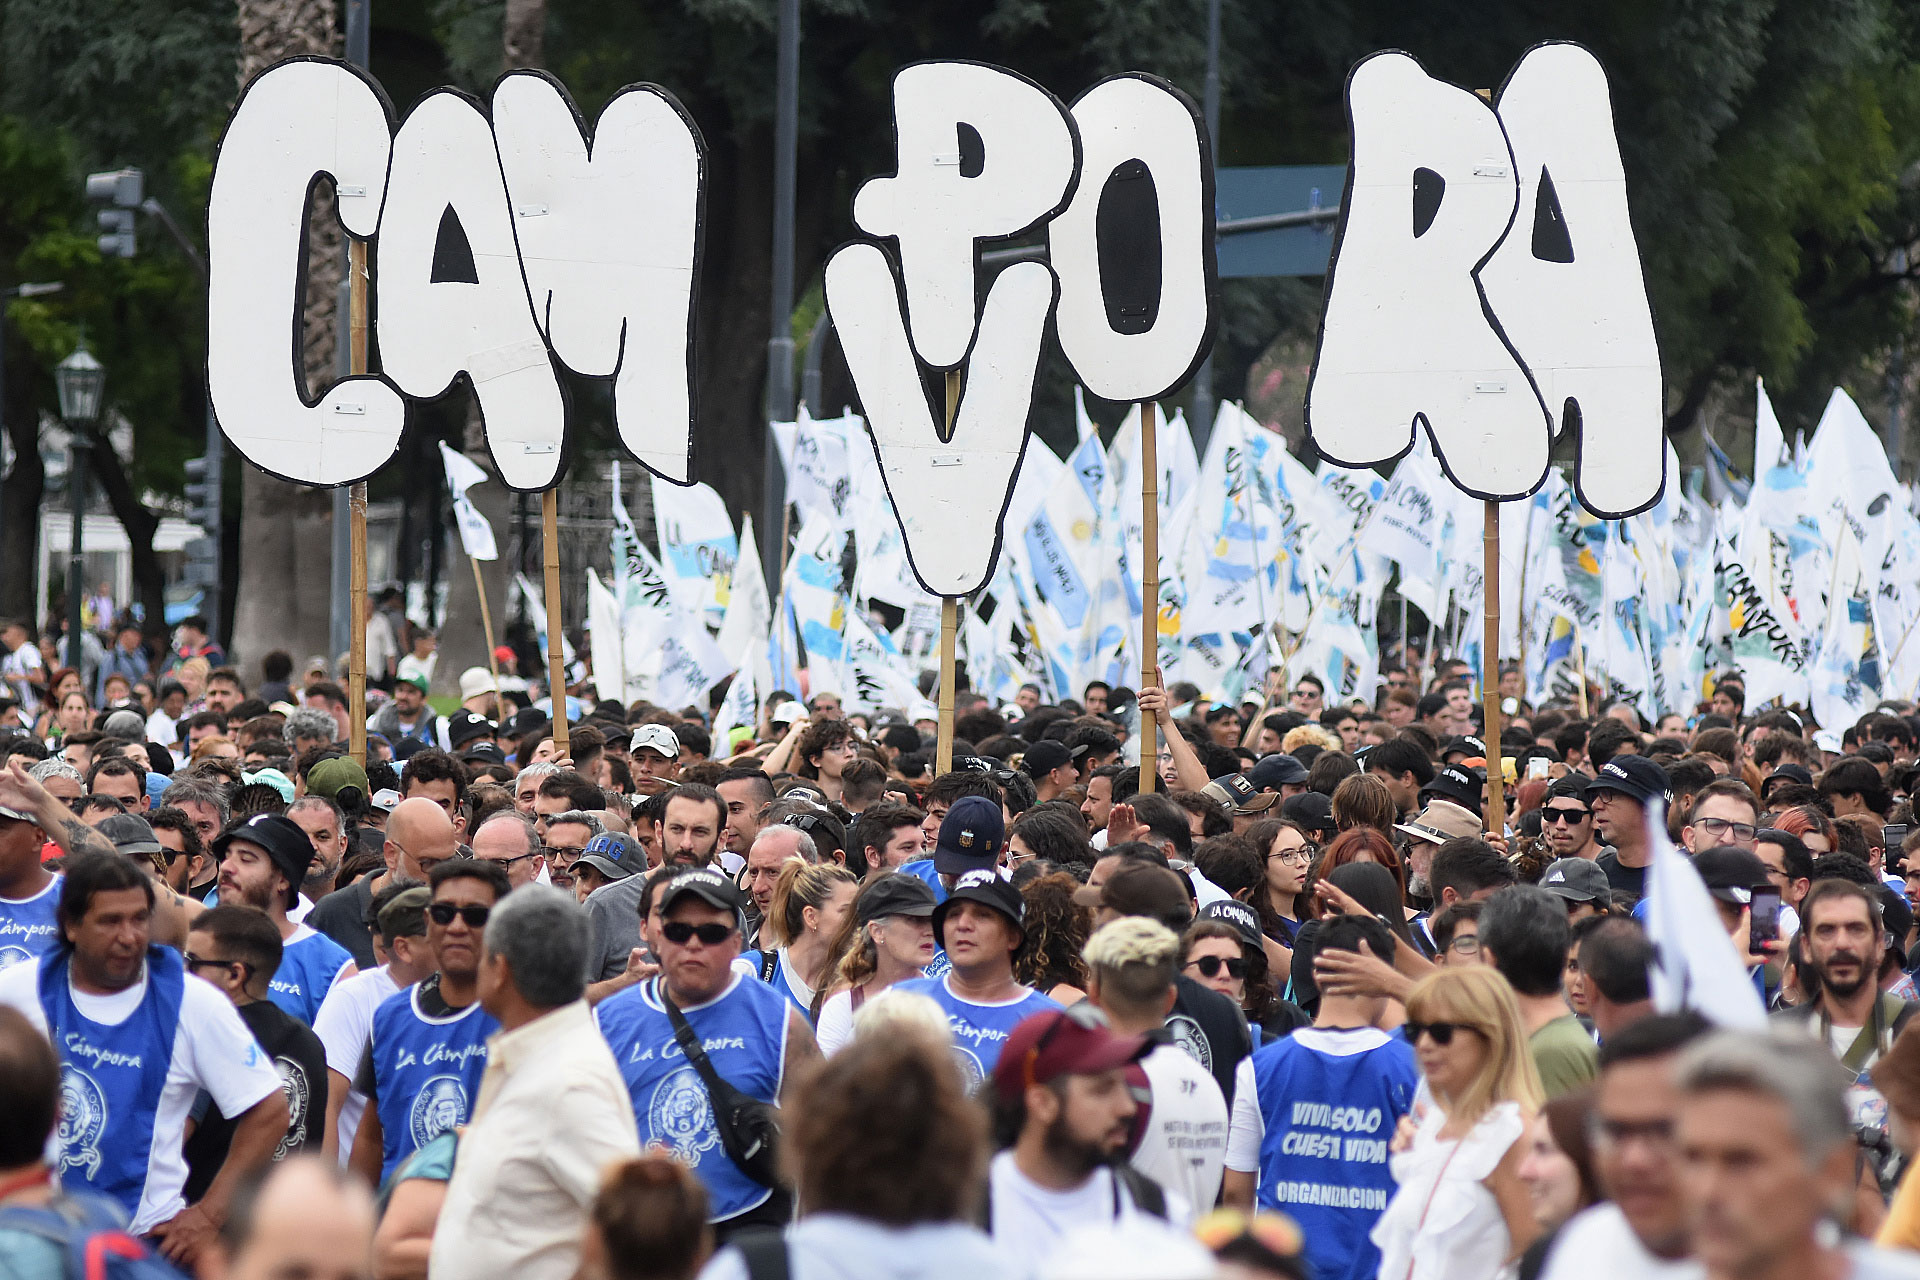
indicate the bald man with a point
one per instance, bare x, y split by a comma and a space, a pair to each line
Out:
304, 1219
419, 835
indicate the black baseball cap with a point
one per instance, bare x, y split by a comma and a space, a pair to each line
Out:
1578, 880
129, 833
286, 845
1571, 787
484, 753
1049, 754
985, 886
1467, 745
894, 894
1635, 777
463, 726
971, 836
1237, 914
1787, 771
1465, 785
1730, 874
1310, 809
1276, 771
707, 885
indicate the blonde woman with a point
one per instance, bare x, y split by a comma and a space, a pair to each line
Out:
810, 905
1462, 1211
888, 938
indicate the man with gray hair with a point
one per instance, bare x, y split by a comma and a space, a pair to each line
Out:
62, 779
1767, 1154
553, 1110
526, 785
310, 727
772, 848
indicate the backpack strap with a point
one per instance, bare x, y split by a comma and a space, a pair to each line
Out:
1148, 1196
764, 1250
769, 964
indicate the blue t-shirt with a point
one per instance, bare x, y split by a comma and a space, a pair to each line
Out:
1329, 1102
426, 1071
979, 1029
922, 869
27, 926
743, 1032
308, 966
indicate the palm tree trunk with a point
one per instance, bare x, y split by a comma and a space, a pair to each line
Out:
281, 601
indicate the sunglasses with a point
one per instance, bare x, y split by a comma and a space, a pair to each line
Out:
444, 913
1567, 816
195, 964
1209, 966
1442, 1032
680, 933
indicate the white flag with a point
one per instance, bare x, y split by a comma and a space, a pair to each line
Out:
749, 610
1696, 966
476, 535
603, 625
741, 707
690, 665
697, 544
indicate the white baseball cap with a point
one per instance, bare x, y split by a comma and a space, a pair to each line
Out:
788, 711
656, 737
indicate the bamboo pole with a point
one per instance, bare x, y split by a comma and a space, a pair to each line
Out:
357, 518
949, 623
486, 624
1580, 666
1490, 671
1149, 589
556, 666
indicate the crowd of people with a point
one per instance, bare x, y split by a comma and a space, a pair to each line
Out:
627, 1002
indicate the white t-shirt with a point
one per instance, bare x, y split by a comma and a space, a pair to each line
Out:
1185, 1146
1597, 1244
345, 1025
1029, 1221
835, 1031
212, 1050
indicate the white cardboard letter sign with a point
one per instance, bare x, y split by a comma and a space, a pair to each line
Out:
1486, 286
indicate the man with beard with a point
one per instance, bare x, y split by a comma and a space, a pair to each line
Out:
690, 825
1063, 1113
263, 862
1844, 939
326, 828
1619, 794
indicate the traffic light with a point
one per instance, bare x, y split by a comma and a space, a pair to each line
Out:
203, 495
125, 189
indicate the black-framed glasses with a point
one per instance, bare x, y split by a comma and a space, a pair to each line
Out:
514, 860
444, 914
1441, 1032
1210, 966
1566, 816
1717, 827
1300, 857
554, 851
680, 933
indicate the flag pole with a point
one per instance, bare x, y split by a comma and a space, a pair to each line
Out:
1580, 665
556, 668
486, 625
1490, 670
949, 622
1149, 587
357, 517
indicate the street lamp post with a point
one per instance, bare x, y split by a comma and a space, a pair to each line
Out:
82, 383
30, 289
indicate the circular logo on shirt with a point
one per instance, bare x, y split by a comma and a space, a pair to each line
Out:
440, 1107
681, 1115
970, 1069
14, 955
1187, 1034
293, 1083
83, 1121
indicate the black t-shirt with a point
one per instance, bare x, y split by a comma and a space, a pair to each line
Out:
1211, 1028
342, 916
1631, 881
302, 1062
